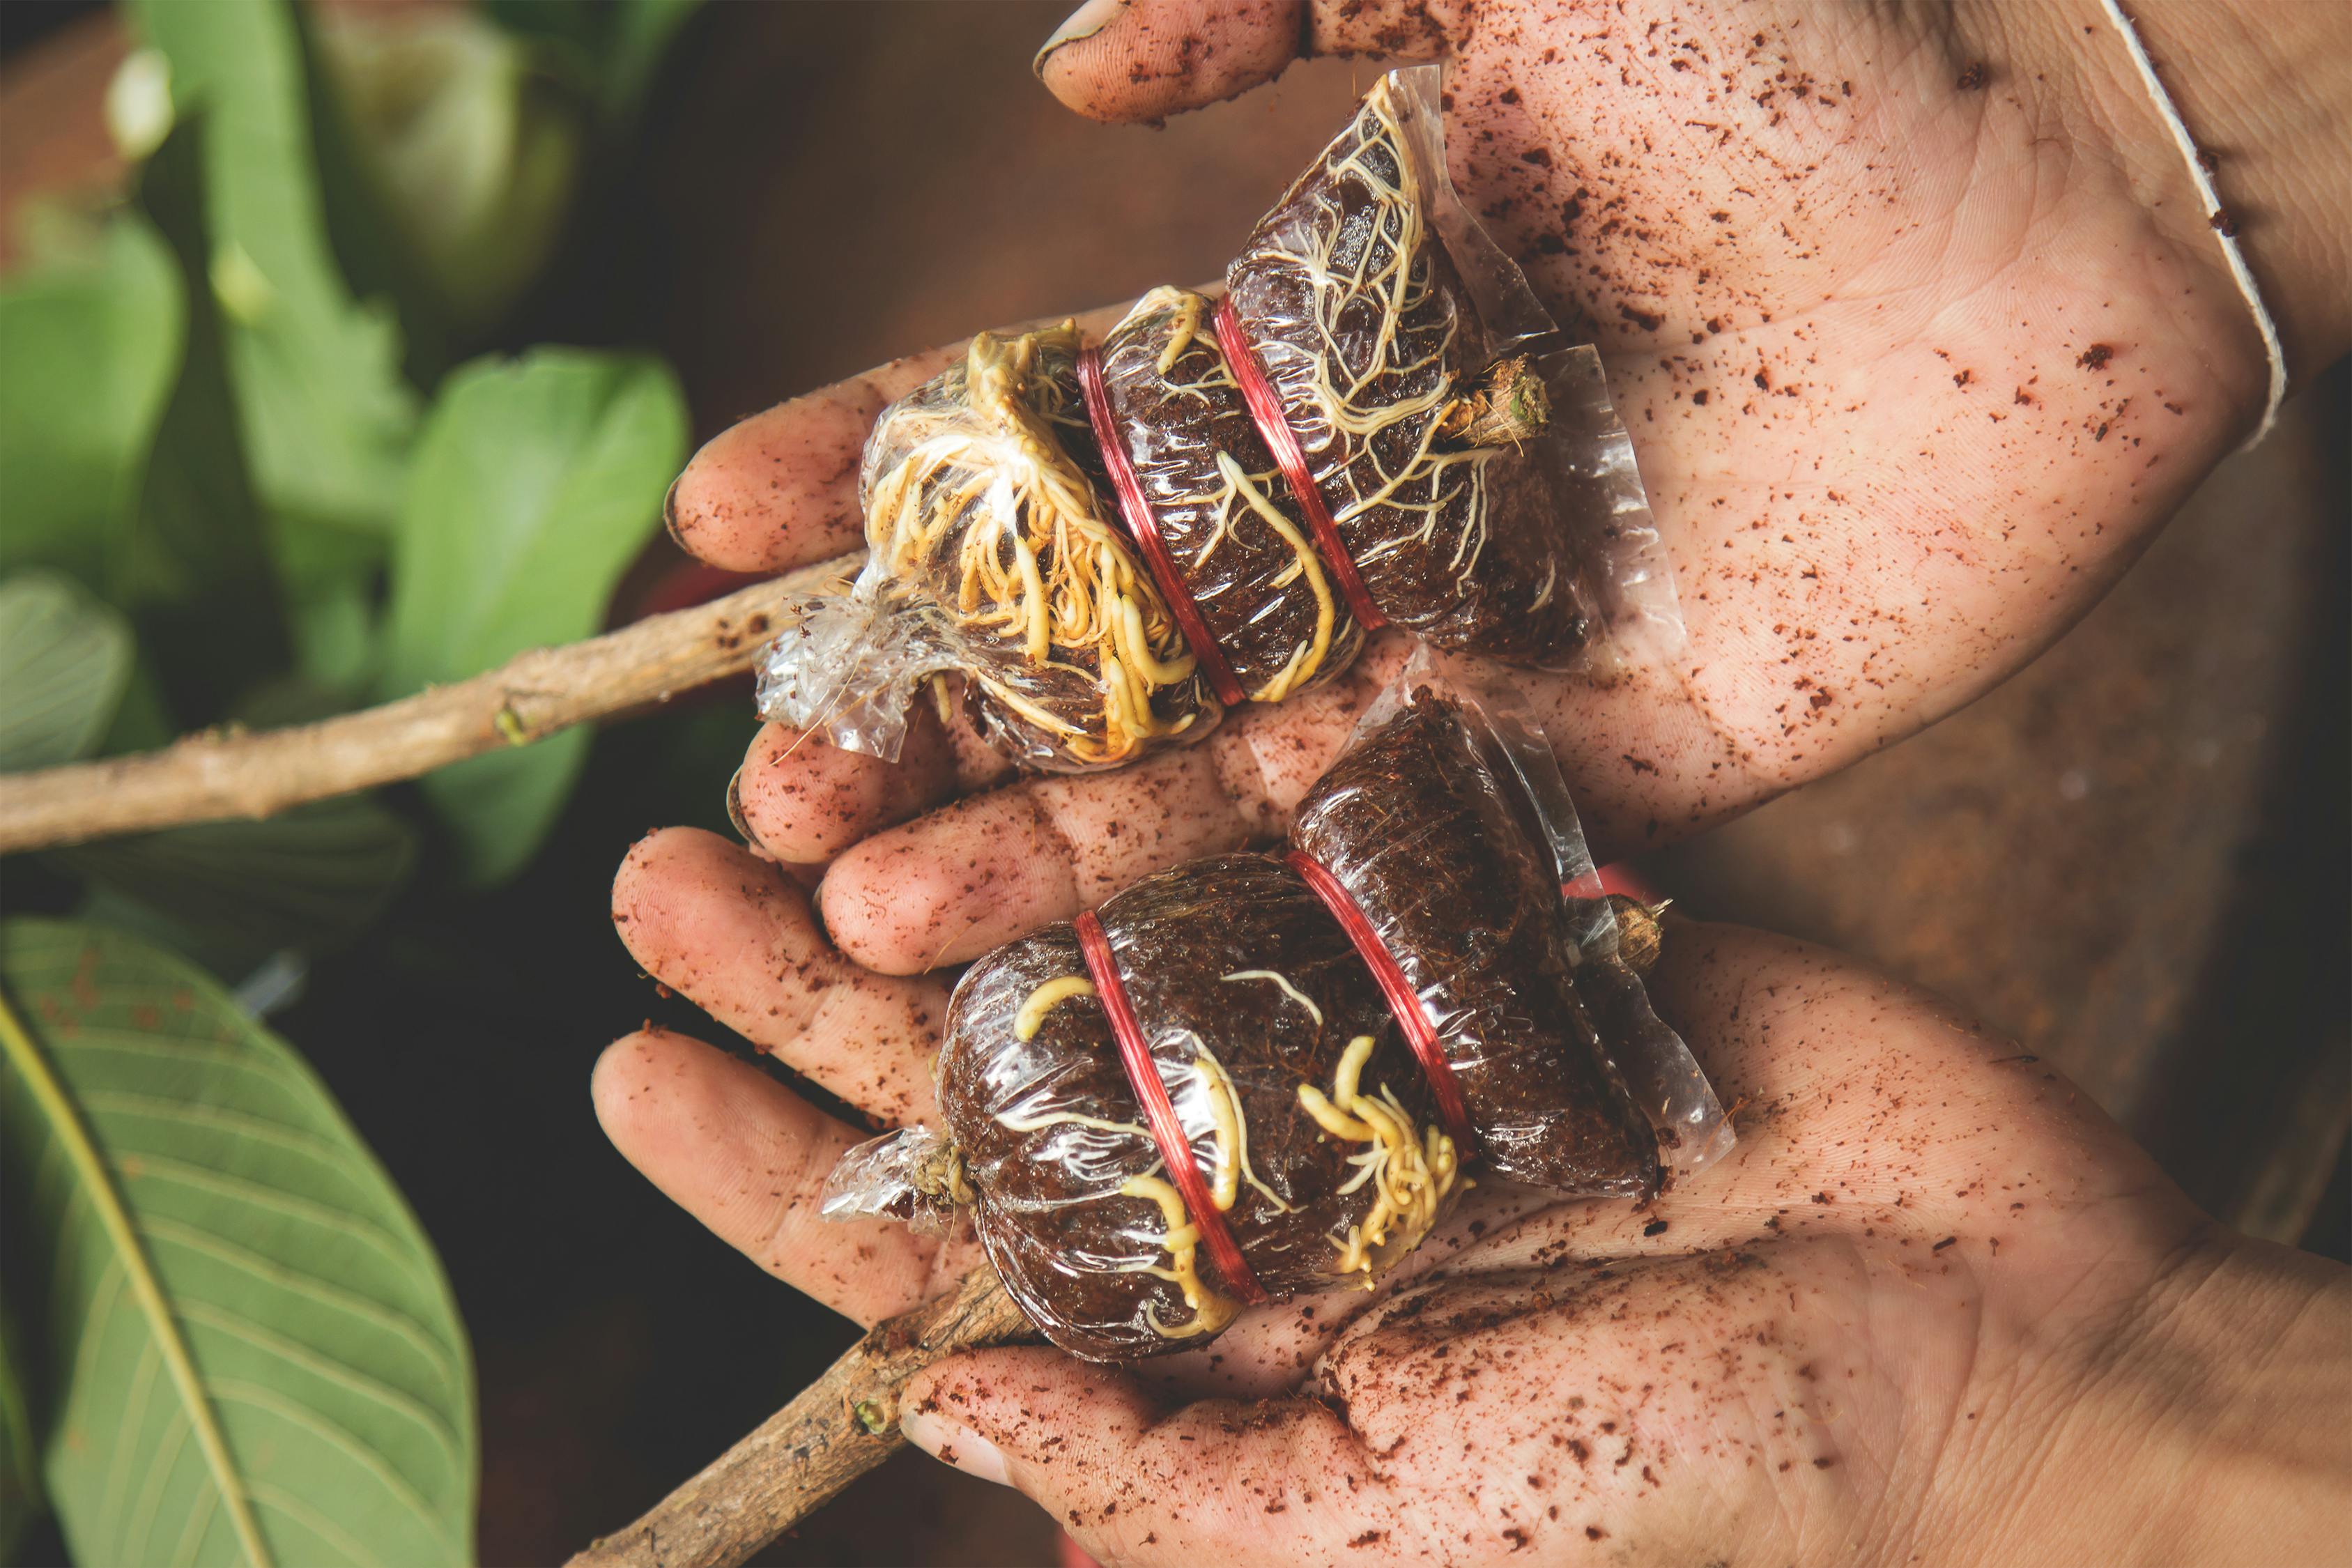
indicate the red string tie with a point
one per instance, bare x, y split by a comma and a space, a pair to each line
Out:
1444, 1087
1144, 528
1160, 1112
1273, 429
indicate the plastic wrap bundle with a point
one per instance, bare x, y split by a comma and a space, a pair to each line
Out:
1114, 543
1254, 1076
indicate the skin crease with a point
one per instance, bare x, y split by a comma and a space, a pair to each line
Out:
1790, 1358
1912, 468
1914, 370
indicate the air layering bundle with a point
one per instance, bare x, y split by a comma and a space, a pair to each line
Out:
1257, 1075
1115, 543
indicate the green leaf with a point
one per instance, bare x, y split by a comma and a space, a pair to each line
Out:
20, 1464
311, 879
90, 343
141, 722
326, 415
251, 1352
535, 483
65, 660
194, 569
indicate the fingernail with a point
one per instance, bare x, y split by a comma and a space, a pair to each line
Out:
735, 810
1083, 22
669, 514
952, 1444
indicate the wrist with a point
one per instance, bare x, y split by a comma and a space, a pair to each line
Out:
2267, 95
2199, 1420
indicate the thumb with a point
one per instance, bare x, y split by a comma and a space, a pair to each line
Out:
1145, 60
1134, 1481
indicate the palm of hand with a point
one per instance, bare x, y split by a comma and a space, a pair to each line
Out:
1910, 364
1911, 373
1903, 1261
1779, 1353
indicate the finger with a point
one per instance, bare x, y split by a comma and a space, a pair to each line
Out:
780, 488
804, 801
748, 1158
1145, 60
1134, 1482
949, 886
715, 921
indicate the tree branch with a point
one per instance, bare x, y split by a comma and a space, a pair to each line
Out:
840, 1426
210, 776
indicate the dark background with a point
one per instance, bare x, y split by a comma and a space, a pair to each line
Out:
2134, 856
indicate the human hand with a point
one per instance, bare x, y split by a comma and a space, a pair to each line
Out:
2028, 540
1933, 1307
1878, 532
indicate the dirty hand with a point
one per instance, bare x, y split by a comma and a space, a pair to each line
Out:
1915, 321
1963, 340
1933, 1308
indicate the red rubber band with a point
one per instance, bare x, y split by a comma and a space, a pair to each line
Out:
1175, 1148
1273, 429
1444, 1087
1144, 528
1617, 877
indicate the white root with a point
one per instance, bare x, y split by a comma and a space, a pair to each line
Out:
1386, 265
1293, 991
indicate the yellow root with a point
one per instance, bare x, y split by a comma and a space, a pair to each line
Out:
1240, 492
1231, 1170
1044, 1000
1411, 1171
1181, 1241
984, 483
1308, 657
1232, 1137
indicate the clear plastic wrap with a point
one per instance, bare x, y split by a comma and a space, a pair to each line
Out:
1219, 502
1376, 305
1449, 826
989, 552
1310, 1121
1214, 504
1246, 995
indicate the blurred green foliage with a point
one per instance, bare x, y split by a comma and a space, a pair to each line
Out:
470, 143
249, 477
527, 499
92, 334
64, 660
20, 1452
